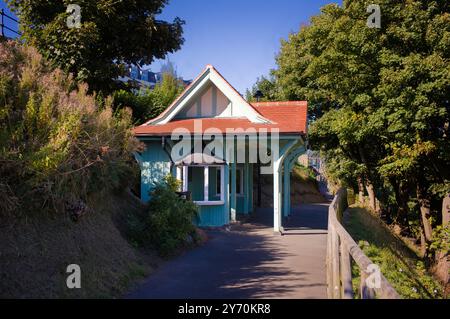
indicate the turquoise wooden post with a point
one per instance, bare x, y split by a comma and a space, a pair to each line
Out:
246, 188
233, 187
289, 201
277, 186
290, 164
287, 183
226, 189
174, 171
250, 188
287, 188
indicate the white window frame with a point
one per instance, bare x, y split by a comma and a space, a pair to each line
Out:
205, 201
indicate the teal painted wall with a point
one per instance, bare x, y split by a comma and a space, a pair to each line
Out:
155, 165
240, 204
212, 216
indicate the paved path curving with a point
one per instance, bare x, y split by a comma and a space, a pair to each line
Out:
249, 261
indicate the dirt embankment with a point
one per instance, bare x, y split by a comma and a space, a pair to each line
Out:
304, 188
35, 253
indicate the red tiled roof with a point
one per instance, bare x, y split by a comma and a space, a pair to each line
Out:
288, 117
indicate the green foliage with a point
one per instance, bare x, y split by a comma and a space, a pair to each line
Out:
307, 174
111, 31
441, 239
411, 281
268, 88
147, 104
58, 142
401, 266
378, 98
169, 222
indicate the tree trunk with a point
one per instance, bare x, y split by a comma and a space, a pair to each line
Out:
425, 213
360, 190
368, 180
401, 198
442, 263
423, 243
371, 193
446, 210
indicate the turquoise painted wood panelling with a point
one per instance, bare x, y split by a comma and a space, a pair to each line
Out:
246, 190
155, 166
212, 216
240, 199
227, 193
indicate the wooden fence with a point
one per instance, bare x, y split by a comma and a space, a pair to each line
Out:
341, 249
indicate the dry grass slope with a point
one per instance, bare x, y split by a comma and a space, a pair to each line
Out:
35, 253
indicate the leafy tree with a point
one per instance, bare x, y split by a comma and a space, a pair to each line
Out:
266, 86
149, 103
111, 32
380, 97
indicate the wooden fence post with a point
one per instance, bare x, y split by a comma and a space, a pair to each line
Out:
336, 283
328, 264
366, 292
346, 273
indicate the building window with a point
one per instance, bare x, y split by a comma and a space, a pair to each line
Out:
195, 179
239, 181
218, 182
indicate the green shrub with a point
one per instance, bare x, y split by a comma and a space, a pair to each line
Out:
168, 225
57, 143
403, 269
149, 103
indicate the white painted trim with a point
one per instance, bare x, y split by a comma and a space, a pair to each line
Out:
206, 184
278, 184
172, 113
237, 101
185, 178
205, 201
209, 203
178, 177
222, 183
239, 104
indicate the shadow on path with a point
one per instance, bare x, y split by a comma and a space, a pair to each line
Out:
250, 261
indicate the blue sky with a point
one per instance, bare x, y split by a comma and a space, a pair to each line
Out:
239, 37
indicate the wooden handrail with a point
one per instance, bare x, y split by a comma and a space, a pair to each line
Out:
341, 248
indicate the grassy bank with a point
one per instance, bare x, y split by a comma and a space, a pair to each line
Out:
401, 266
304, 188
36, 251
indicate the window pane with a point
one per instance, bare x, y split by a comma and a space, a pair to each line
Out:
218, 181
196, 183
238, 181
